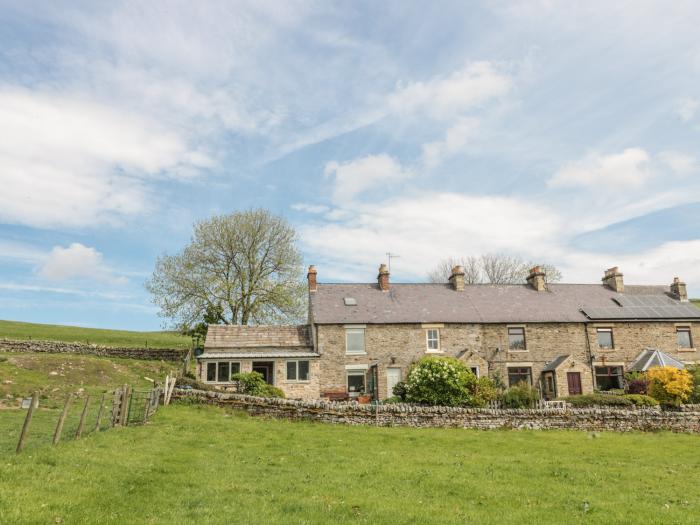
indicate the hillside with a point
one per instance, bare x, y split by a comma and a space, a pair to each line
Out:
124, 338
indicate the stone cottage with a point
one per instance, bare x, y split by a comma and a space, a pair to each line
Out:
565, 339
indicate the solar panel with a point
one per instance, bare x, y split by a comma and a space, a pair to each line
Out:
672, 311
644, 300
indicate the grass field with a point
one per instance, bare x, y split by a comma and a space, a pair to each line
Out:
124, 338
197, 464
55, 375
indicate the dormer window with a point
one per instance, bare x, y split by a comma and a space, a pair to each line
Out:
350, 301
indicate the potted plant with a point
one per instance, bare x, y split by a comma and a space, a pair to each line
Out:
364, 398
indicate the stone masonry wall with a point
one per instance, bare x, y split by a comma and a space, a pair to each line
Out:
58, 347
486, 346
588, 419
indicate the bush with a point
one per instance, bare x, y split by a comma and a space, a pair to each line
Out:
400, 390
636, 383
694, 371
448, 382
641, 400
670, 386
588, 400
186, 381
393, 400
253, 384
521, 395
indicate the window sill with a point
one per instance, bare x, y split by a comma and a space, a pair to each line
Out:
517, 351
293, 382
687, 349
434, 351
606, 349
355, 353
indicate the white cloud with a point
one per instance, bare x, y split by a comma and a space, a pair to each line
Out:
310, 208
680, 163
447, 97
68, 162
686, 108
455, 139
357, 176
77, 261
658, 265
630, 168
423, 229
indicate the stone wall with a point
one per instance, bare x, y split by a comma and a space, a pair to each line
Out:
58, 347
588, 419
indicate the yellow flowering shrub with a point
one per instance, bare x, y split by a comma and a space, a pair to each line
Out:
669, 385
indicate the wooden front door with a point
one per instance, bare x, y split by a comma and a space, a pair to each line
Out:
574, 381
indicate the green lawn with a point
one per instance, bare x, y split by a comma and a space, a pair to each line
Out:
123, 338
696, 302
206, 465
55, 375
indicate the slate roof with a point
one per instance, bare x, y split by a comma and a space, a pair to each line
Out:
482, 303
651, 357
555, 363
257, 338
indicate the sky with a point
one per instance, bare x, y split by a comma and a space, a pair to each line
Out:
566, 133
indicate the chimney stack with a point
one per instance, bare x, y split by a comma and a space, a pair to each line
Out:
613, 279
383, 278
536, 279
311, 277
678, 290
457, 278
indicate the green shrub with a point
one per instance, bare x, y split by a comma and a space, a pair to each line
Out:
642, 400
185, 381
392, 400
253, 384
448, 382
587, 400
400, 390
3, 358
694, 371
521, 395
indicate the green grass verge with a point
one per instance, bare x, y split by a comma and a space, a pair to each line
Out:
56, 375
696, 302
206, 465
123, 338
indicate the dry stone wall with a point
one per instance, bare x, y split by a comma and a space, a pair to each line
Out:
59, 347
588, 419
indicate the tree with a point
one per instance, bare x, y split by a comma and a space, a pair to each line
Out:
492, 268
240, 268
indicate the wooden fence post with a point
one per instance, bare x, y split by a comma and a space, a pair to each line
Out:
126, 397
81, 425
61, 420
99, 412
27, 421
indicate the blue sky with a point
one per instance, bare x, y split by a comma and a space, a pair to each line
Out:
561, 133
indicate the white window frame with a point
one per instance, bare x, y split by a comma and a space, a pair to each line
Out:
296, 368
216, 379
428, 339
355, 330
473, 368
355, 372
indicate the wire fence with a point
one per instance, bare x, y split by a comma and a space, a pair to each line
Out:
81, 416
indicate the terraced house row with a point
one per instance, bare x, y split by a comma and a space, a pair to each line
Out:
362, 338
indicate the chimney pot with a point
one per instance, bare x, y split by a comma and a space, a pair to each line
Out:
537, 279
679, 290
613, 279
311, 278
457, 278
383, 278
